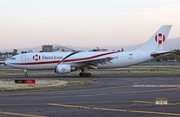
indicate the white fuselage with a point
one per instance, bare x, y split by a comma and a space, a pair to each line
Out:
49, 60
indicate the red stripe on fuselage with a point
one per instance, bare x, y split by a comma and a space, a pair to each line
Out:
68, 60
37, 63
87, 58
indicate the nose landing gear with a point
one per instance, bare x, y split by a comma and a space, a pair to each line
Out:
26, 74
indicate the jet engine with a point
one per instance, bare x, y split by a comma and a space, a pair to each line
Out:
64, 68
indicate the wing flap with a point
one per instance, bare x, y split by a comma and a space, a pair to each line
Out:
94, 63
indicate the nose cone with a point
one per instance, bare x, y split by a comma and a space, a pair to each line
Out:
6, 62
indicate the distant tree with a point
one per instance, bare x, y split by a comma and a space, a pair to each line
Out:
173, 56
122, 49
63, 50
159, 60
15, 52
177, 52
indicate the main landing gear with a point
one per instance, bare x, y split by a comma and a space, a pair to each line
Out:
84, 74
26, 74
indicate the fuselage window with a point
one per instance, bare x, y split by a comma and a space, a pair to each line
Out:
13, 58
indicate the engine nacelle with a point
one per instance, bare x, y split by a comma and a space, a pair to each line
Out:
64, 68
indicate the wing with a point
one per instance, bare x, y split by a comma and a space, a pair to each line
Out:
94, 63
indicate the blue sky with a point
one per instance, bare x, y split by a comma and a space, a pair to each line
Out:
84, 23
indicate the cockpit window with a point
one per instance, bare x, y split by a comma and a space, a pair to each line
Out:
13, 58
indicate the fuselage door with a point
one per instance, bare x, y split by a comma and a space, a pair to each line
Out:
23, 58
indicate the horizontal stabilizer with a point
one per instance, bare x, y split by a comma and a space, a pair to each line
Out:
161, 53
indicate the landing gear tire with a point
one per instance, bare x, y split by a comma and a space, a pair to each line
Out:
88, 74
85, 74
26, 75
80, 74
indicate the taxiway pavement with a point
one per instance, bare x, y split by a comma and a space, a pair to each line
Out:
108, 96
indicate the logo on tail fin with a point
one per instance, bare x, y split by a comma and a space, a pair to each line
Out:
160, 38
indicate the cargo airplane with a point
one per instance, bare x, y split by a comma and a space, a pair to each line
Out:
66, 62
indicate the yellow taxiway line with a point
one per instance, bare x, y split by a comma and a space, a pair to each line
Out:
20, 114
117, 110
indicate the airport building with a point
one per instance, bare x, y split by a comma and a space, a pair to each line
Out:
6, 55
47, 48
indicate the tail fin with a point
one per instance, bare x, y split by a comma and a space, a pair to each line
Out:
157, 41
